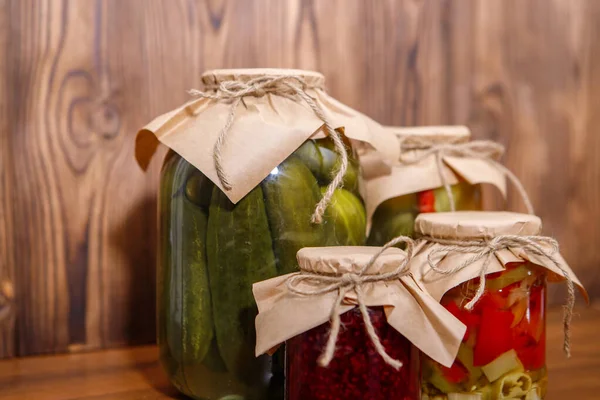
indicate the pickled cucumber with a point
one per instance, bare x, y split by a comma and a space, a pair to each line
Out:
322, 159
198, 189
466, 197
239, 250
190, 244
393, 217
291, 193
170, 349
347, 218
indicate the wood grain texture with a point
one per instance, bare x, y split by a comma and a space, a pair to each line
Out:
135, 373
79, 77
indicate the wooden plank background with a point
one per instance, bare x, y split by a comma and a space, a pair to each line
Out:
79, 77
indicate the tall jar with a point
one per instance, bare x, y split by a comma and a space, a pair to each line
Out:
353, 326
400, 190
216, 241
502, 354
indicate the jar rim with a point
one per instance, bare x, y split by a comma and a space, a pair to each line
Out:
476, 224
434, 134
216, 76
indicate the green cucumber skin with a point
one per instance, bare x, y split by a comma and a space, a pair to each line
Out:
388, 225
239, 254
291, 195
466, 197
322, 159
167, 329
347, 219
197, 321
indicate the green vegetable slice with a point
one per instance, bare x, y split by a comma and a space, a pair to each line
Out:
507, 362
465, 356
464, 396
509, 277
513, 385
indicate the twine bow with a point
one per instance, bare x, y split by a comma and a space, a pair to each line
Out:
289, 86
343, 283
485, 250
481, 149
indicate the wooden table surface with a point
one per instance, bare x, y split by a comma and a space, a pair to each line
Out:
135, 374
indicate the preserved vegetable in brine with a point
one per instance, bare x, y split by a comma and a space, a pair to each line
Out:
438, 170
490, 270
503, 350
214, 250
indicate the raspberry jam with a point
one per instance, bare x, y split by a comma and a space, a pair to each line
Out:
357, 371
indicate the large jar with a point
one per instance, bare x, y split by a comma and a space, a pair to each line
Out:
215, 242
414, 183
352, 320
502, 354
212, 250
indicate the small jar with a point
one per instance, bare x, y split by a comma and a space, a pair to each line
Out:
502, 354
353, 289
414, 183
357, 371
504, 349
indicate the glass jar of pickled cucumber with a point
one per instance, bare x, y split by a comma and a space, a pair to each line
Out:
242, 189
212, 251
502, 354
414, 185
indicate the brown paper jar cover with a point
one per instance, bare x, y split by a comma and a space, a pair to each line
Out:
266, 129
477, 225
409, 310
421, 180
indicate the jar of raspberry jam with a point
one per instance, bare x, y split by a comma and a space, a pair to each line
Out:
357, 371
502, 354
353, 320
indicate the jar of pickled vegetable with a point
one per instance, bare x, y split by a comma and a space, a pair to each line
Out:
438, 170
236, 203
344, 319
490, 271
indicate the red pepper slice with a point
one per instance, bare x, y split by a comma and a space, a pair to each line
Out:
456, 373
471, 320
494, 337
426, 201
531, 353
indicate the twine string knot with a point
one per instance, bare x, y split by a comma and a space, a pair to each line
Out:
480, 149
485, 249
290, 86
309, 282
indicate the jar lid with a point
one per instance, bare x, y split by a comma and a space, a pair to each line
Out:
426, 136
348, 259
476, 224
217, 76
